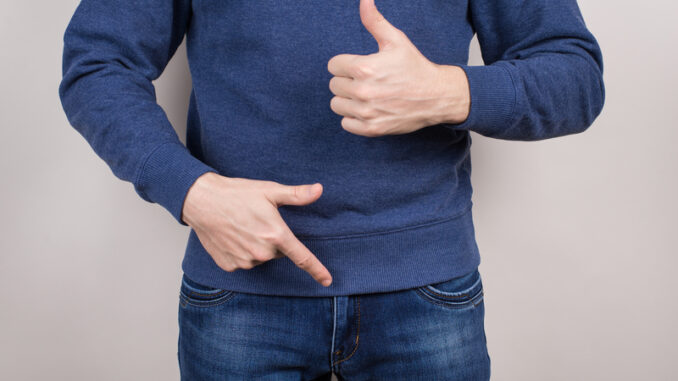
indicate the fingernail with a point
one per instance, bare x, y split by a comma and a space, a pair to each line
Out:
327, 282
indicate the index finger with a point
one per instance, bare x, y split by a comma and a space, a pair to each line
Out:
339, 65
304, 259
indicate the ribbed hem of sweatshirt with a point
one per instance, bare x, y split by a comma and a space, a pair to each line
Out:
167, 175
493, 99
367, 263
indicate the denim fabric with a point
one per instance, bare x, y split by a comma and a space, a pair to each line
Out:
432, 332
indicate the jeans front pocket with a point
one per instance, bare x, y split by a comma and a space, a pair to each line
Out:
465, 291
198, 295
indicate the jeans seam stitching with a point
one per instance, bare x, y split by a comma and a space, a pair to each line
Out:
357, 335
208, 303
461, 294
431, 299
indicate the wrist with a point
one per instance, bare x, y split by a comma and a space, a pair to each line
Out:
455, 94
195, 194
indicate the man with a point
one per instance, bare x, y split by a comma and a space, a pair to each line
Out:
326, 175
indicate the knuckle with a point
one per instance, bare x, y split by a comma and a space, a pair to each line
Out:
363, 92
260, 256
363, 70
249, 248
221, 262
366, 112
297, 192
224, 263
228, 267
277, 236
372, 130
305, 262
280, 237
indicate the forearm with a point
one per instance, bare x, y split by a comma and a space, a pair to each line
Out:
113, 50
541, 79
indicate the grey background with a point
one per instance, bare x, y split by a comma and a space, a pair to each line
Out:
577, 234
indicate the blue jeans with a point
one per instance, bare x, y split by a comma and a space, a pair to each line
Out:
432, 332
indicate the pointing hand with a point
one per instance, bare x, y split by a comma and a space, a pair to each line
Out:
238, 223
396, 90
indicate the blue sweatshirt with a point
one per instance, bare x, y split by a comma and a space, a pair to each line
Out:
396, 210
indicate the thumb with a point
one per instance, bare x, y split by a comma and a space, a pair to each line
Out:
295, 194
375, 23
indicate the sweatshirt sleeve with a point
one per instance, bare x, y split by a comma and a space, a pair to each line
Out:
543, 70
113, 50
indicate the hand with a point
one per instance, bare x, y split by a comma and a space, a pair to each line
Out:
238, 223
396, 90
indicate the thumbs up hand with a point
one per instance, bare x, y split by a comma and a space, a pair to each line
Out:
396, 90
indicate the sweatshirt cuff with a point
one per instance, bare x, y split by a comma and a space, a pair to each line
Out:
493, 98
166, 176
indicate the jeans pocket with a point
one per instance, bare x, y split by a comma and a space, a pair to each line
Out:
199, 295
460, 292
